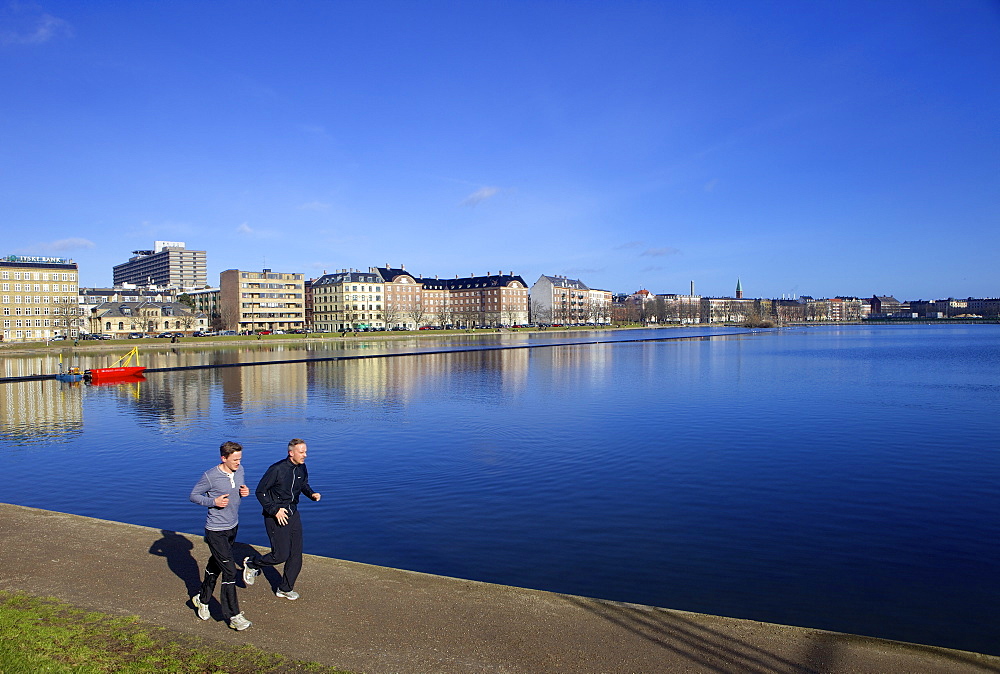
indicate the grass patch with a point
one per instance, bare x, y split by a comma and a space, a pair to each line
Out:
45, 635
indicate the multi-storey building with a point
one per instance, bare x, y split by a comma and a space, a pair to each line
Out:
347, 300
250, 301
558, 299
846, 308
473, 301
119, 319
884, 306
89, 298
38, 297
985, 307
207, 302
169, 263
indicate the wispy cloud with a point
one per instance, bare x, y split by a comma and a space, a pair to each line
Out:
480, 195
630, 244
710, 185
650, 269
659, 252
27, 27
59, 246
246, 230
314, 206
63, 245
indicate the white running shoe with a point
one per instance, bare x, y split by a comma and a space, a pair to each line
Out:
202, 608
249, 573
239, 623
291, 594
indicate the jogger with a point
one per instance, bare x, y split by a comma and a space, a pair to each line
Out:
220, 490
278, 492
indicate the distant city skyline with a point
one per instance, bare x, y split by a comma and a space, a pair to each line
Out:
843, 148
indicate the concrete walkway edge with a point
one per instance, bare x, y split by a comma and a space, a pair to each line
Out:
381, 620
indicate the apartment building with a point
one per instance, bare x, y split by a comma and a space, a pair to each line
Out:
251, 301
207, 301
38, 297
491, 300
558, 299
169, 263
347, 300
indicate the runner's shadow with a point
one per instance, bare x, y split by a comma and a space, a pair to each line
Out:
177, 550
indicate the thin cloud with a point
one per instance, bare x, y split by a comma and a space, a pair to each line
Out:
246, 230
479, 196
314, 206
71, 244
650, 269
630, 244
34, 30
64, 245
659, 252
711, 184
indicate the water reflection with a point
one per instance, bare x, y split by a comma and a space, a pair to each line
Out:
828, 477
40, 412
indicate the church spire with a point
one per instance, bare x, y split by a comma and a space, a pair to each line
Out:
739, 289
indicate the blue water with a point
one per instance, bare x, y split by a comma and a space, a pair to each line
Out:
838, 478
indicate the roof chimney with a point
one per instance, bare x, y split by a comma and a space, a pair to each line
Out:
403, 267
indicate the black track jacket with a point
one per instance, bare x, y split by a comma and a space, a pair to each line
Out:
281, 485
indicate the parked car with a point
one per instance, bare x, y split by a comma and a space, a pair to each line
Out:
94, 335
135, 335
59, 337
227, 333
169, 335
264, 332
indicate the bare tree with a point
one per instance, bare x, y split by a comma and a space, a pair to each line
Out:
68, 312
443, 315
659, 310
391, 314
188, 319
510, 315
416, 314
539, 313
229, 316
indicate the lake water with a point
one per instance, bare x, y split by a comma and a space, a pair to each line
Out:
839, 478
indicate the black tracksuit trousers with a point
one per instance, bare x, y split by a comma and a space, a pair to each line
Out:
221, 562
286, 548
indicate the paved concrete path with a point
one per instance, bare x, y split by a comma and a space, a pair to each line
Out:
374, 619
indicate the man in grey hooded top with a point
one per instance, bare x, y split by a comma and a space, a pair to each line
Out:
220, 490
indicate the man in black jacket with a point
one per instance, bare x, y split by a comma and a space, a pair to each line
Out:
278, 492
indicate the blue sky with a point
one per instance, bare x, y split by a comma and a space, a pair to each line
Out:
817, 148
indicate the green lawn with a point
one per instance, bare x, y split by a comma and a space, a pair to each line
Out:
45, 635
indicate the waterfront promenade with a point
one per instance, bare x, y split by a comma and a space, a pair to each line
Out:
374, 619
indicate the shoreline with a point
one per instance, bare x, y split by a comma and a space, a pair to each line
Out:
379, 619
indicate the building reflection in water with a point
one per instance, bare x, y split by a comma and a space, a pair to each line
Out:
38, 412
179, 400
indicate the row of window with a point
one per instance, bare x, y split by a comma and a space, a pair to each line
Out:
39, 311
39, 299
38, 276
40, 287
